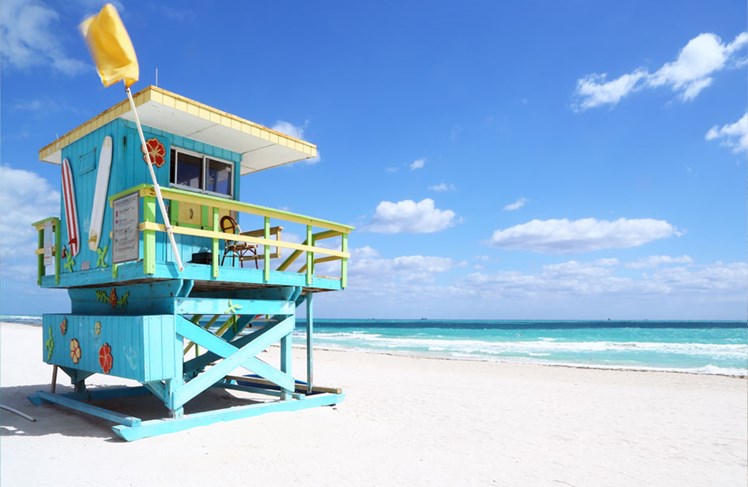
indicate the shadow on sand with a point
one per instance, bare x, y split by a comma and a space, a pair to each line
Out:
55, 420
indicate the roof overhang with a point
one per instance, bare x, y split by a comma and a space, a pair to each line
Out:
260, 147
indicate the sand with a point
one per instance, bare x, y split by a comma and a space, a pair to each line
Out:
405, 421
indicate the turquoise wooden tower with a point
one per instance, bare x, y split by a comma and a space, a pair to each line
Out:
134, 313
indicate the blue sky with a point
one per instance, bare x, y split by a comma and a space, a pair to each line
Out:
517, 159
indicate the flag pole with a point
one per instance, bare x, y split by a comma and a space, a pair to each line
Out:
156, 187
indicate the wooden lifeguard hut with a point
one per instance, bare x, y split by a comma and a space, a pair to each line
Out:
134, 313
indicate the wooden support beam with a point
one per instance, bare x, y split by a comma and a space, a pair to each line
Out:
43, 396
160, 426
298, 386
233, 357
310, 341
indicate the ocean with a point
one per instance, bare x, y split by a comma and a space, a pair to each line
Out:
702, 347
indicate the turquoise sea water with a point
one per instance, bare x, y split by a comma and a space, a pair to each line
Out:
707, 347
710, 347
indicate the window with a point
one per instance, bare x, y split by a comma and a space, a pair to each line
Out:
201, 173
218, 177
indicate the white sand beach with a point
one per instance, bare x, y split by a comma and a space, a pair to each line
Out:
404, 421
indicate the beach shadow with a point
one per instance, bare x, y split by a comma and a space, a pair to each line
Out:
52, 419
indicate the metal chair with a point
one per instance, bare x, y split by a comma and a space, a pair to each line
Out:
241, 250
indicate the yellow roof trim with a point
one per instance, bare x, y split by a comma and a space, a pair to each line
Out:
200, 122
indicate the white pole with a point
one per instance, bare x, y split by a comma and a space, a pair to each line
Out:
159, 197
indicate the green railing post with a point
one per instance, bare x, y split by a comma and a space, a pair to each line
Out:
214, 248
266, 256
58, 247
309, 342
149, 236
40, 257
344, 262
309, 256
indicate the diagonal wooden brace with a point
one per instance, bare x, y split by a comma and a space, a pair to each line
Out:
233, 357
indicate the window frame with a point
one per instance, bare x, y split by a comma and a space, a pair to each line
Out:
173, 158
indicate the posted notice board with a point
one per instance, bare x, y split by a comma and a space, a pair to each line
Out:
125, 243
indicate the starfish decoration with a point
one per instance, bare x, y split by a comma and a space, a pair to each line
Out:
101, 262
50, 344
232, 309
69, 262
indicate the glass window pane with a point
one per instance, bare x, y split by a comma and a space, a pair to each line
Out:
219, 177
189, 170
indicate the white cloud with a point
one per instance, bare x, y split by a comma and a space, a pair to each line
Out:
593, 90
733, 135
289, 129
703, 56
563, 236
410, 217
28, 39
409, 286
25, 198
584, 279
418, 164
659, 260
295, 131
692, 71
367, 266
516, 205
442, 187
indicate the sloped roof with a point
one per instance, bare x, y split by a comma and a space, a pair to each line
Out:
260, 147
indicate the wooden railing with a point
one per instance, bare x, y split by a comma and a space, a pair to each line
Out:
215, 205
52, 223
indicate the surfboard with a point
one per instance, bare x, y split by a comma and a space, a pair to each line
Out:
71, 212
100, 195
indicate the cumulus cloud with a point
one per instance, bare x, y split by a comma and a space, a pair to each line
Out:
418, 164
724, 280
366, 265
691, 72
409, 216
563, 236
516, 205
295, 131
25, 197
733, 135
27, 36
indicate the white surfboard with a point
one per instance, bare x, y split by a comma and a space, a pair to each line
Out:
100, 195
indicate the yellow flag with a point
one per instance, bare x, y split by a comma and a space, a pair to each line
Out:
111, 47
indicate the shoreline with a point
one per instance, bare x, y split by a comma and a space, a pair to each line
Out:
614, 368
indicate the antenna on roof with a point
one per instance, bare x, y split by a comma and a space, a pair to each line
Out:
156, 76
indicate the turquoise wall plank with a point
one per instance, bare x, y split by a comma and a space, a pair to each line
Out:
143, 348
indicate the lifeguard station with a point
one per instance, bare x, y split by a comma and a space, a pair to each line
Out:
135, 314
